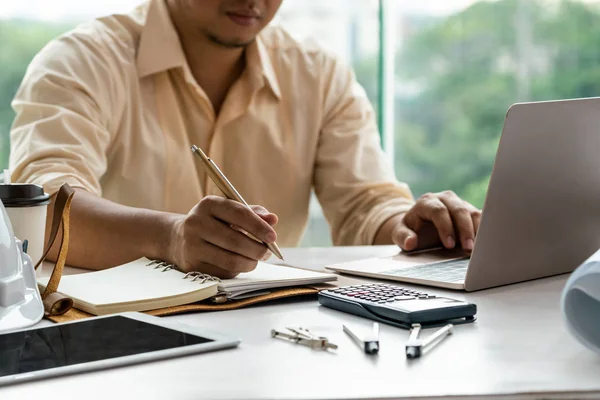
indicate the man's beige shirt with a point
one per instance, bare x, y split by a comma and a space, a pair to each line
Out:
112, 107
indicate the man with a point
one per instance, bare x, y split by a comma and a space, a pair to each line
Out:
113, 107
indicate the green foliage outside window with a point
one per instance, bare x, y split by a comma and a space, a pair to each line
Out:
469, 68
19, 42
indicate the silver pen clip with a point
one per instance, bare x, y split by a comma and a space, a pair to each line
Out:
415, 346
369, 343
304, 337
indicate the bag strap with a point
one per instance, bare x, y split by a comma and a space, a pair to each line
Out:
56, 303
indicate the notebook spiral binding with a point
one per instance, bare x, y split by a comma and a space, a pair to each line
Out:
195, 275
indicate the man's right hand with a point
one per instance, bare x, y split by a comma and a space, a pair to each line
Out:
210, 237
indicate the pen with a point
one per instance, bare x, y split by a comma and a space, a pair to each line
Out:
228, 190
370, 343
415, 346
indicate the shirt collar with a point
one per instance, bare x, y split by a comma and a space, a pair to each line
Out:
258, 61
160, 49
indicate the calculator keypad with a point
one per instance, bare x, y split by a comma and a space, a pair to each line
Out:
379, 293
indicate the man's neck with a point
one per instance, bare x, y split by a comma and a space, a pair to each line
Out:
214, 67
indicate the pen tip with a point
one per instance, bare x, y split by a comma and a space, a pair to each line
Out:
412, 352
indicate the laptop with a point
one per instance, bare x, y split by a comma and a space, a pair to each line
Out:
541, 215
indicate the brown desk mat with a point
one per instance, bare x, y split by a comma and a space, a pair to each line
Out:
75, 314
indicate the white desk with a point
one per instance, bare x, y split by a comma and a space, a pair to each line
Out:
518, 346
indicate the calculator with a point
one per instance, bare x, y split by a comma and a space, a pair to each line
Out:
398, 306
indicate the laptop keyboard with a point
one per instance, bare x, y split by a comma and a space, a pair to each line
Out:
451, 271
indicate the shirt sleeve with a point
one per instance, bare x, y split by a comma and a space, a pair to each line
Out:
61, 130
353, 181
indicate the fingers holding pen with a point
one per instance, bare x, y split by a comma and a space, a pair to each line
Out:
220, 233
237, 214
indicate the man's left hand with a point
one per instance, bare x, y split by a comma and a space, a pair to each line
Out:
437, 218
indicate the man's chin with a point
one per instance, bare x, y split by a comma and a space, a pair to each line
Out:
232, 43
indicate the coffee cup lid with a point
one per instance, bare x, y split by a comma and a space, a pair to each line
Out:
23, 195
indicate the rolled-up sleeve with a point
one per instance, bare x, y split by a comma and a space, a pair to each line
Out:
61, 131
353, 181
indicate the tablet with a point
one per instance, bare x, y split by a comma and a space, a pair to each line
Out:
99, 343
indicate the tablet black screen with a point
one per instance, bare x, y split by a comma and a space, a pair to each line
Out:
85, 341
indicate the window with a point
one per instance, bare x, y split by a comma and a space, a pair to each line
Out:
458, 70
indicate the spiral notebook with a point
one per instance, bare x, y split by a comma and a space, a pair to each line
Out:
144, 285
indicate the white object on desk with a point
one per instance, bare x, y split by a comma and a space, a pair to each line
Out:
135, 286
20, 301
580, 303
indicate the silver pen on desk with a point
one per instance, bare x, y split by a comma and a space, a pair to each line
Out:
415, 347
369, 343
228, 190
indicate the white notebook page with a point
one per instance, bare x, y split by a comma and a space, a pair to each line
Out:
267, 276
131, 282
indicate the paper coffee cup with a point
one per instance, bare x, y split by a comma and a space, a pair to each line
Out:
26, 205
